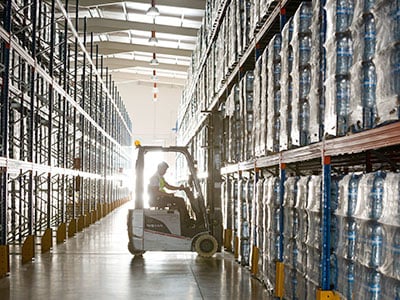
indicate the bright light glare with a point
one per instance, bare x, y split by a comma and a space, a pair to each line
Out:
152, 159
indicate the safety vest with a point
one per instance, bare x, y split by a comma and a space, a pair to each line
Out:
162, 184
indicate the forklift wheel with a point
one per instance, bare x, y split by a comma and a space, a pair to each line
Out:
133, 251
206, 245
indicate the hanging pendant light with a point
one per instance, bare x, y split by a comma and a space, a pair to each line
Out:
155, 88
153, 40
153, 10
154, 61
154, 77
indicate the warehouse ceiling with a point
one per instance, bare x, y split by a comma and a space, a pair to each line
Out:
122, 31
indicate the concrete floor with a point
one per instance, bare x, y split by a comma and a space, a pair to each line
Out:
96, 264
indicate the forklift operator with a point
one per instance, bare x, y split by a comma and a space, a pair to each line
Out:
160, 198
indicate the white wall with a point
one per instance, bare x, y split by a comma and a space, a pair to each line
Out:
153, 122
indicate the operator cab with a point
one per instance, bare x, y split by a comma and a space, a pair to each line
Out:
164, 227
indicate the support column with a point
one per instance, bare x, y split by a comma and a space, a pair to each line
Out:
280, 276
324, 292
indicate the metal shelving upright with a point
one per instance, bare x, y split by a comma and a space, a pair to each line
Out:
64, 163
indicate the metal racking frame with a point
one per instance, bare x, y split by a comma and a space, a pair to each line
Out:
65, 133
360, 151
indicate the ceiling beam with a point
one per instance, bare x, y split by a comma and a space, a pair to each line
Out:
107, 48
119, 63
192, 4
125, 77
103, 25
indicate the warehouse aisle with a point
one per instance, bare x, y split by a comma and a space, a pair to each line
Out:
96, 264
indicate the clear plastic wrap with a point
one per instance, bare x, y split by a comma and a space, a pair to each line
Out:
346, 273
240, 20
290, 188
391, 200
255, 16
301, 291
271, 93
259, 223
290, 283
347, 231
314, 96
370, 196
248, 95
387, 23
264, 105
302, 192
257, 107
314, 193
339, 16
387, 64
286, 84
370, 250
232, 36
390, 288
313, 265
295, 76
291, 222
273, 199
247, 34
368, 284
348, 195
267, 212
304, 218
391, 263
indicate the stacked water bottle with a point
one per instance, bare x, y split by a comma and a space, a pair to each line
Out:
246, 93
286, 86
263, 103
380, 27
303, 232
274, 68
245, 195
235, 133
236, 183
257, 107
266, 223
361, 86
348, 191
290, 236
273, 229
301, 75
313, 242
339, 51
369, 245
258, 230
227, 205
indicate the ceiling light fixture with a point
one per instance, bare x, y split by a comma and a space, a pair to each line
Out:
154, 61
155, 88
153, 10
153, 40
154, 77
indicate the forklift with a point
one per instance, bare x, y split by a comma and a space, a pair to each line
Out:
161, 229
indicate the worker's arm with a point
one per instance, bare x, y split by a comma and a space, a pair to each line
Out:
155, 191
173, 187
